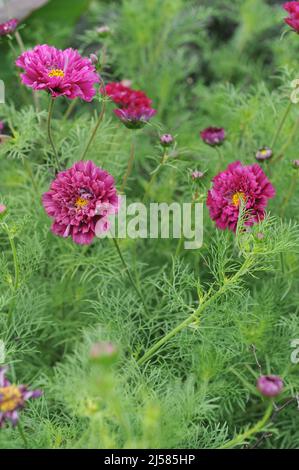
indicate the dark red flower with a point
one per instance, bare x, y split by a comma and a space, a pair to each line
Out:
124, 96
293, 20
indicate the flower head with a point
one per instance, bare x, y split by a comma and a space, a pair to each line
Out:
2, 209
8, 27
135, 117
296, 164
239, 184
166, 140
60, 72
197, 175
80, 200
269, 385
264, 153
103, 31
293, 19
1, 126
103, 352
13, 398
213, 135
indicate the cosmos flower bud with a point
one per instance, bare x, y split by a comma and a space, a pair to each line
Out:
103, 31
269, 385
126, 83
197, 175
2, 209
94, 58
166, 140
296, 164
8, 27
213, 135
264, 153
260, 236
103, 352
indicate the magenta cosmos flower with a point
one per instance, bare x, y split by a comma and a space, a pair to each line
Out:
239, 183
2, 208
269, 385
293, 20
79, 201
8, 27
213, 135
60, 72
13, 398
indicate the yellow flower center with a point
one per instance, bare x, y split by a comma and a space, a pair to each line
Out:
56, 73
237, 197
81, 202
264, 152
10, 398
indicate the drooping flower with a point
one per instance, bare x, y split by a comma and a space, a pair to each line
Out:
135, 117
197, 175
238, 183
213, 135
13, 398
166, 140
124, 96
293, 19
269, 385
59, 72
264, 153
79, 201
8, 27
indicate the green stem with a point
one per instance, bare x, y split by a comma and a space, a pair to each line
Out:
130, 276
280, 125
22, 434
70, 109
155, 174
290, 193
16, 270
94, 132
15, 257
241, 438
129, 167
50, 114
194, 317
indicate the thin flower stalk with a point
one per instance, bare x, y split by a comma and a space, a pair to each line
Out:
258, 427
130, 277
195, 317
